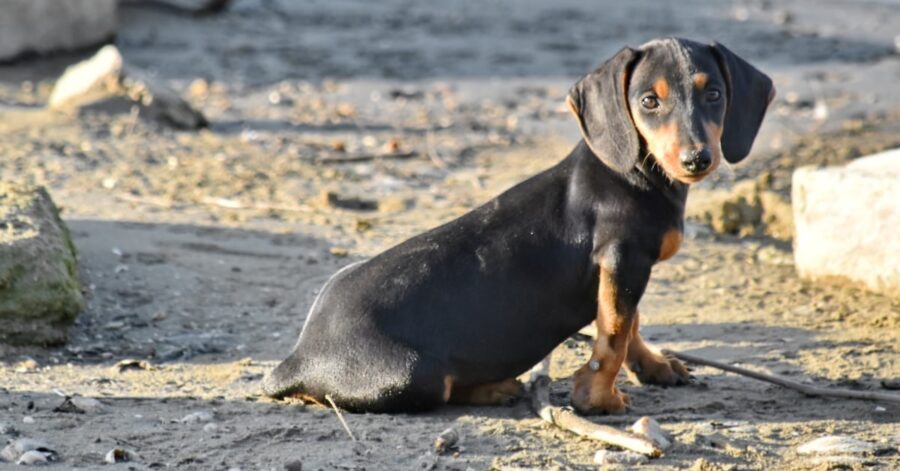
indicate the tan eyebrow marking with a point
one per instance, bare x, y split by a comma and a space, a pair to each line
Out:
661, 88
700, 80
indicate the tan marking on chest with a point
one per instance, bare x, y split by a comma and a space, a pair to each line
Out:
448, 387
609, 322
671, 242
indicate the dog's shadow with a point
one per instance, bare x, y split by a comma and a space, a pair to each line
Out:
714, 395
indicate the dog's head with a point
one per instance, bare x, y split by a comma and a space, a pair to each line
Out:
685, 104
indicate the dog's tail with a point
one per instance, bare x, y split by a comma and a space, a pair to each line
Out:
287, 377
284, 380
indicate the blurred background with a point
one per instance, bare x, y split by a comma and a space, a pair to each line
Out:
223, 158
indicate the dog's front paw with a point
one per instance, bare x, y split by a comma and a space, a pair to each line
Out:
659, 369
596, 393
611, 401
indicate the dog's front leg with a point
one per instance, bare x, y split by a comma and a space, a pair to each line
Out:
623, 278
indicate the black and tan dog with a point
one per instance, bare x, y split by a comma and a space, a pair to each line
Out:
456, 313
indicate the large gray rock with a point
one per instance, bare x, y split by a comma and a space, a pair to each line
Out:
42, 26
40, 294
848, 222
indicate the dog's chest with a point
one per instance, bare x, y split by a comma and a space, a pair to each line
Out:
671, 242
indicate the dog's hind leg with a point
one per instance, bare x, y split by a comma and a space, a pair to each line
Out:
501, 393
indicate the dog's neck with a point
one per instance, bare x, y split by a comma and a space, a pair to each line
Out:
648, 173
646, 176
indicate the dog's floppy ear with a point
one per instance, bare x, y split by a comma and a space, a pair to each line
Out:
600, 103
749, 94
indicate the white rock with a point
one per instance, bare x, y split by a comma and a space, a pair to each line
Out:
211, 427
106, 75
44, 26
34, 457
9, 453
835, 445
27, 451
88, 79
120, 455
619, 457
87, 404
196, 417
26, 444
28, 419
847, 220
652, 430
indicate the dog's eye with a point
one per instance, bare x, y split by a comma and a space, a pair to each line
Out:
713, 95
650, 102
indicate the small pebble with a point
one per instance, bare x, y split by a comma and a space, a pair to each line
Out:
619, 457
200, 416
34, 457
119, 455
427, 462
28, 419
446, 440
26, 365
651, 429
87, 404
295, 465
199, 88
211, 427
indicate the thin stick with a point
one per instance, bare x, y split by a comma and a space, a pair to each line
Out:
567, 419
145, 200
364, 157
432, 152
340, 416
235, 204
807, 390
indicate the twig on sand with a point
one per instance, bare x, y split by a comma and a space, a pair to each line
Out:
228, 203
566, 419
342, 159
807, 390
145, 200
340, 416
432, 152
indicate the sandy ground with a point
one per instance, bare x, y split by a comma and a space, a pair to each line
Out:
201, 251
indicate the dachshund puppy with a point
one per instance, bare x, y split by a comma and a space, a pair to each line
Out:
455, 314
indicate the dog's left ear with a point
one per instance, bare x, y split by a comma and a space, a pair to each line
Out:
749, 94
599, 102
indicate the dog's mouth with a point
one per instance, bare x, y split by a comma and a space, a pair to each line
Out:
678, 173
691, 178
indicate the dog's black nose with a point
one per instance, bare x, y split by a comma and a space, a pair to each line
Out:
697, 160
